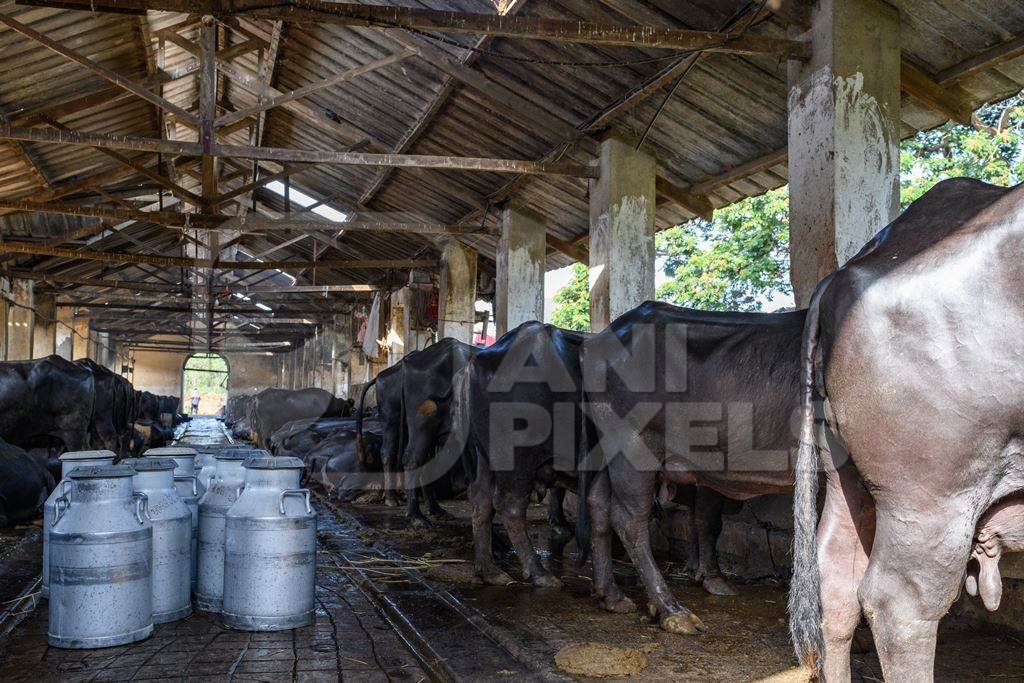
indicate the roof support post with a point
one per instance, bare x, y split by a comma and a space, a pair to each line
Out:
622, 204
457, 305
20, 319
44, 330
519, 295
844, 125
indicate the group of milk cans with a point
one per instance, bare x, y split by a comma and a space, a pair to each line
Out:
128, 546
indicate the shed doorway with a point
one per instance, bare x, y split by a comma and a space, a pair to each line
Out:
205, 375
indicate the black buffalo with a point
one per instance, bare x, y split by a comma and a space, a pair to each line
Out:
388, 385
347, 475
427, 409
913, 351
272, 408
113, 408
519, 404
680, 396
24, 485
46, 402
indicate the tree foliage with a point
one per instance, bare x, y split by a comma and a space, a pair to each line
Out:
572, 310
740, 260
733, 262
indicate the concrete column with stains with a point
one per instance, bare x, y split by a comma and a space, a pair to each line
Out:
63, 333
457, 309
844, 124
622, 205
519, 294
44, 334
80, 342
20, 320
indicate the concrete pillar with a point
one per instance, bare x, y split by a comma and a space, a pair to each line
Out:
80, 343
622, 204
63, 333
457, 304
44, 334
844, 124
519, 292
396, 327
341, 349
20, 320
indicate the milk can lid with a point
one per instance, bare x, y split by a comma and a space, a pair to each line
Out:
87, 455
168, 451
233, 456
102, 472
272, 463
153, 465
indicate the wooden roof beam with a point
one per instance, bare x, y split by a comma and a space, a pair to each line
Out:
925, 90
387, 17
98, 69
183, 262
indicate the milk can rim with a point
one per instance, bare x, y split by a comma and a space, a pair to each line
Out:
102, 472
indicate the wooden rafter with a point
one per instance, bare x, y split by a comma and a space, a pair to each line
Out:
386, 17
100, 70
176, 147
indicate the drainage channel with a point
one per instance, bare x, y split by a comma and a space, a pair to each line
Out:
451, 640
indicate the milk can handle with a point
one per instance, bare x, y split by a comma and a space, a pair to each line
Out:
187, 477
141, 506
295, 492
59, 509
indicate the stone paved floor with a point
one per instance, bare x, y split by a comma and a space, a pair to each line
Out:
348, 642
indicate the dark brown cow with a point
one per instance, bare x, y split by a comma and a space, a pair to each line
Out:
914, 349
46, 402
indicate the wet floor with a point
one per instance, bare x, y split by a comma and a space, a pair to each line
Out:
398, 604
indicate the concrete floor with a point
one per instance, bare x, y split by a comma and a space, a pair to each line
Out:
398, 604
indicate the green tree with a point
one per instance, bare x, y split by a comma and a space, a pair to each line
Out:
733, 262
990, 150
572, 311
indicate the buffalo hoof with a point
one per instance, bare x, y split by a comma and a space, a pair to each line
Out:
684, 622
440, 514
546, 581
495, 577
619, 605
391, 501
716, 585
420, 522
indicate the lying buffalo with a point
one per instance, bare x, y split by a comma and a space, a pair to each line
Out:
272, 408
299, 437
648, 377
519, 405
24, 486
914, 349
46, 402
336, 465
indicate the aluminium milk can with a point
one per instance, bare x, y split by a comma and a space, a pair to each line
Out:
188, 487
101, 561
68, 462
172, 539
225, 487
205, 461
270, 550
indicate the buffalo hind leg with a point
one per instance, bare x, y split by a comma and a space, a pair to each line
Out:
845, 532
605, 589
631, 504
512, 510
707, 526
556, 515
480, 492
917, 563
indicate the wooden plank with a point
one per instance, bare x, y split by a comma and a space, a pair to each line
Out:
697, 204
390, 17
177, 147
576, 253
100, 70
184, 262
922, 88
983, 61
208, 109
311, 88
